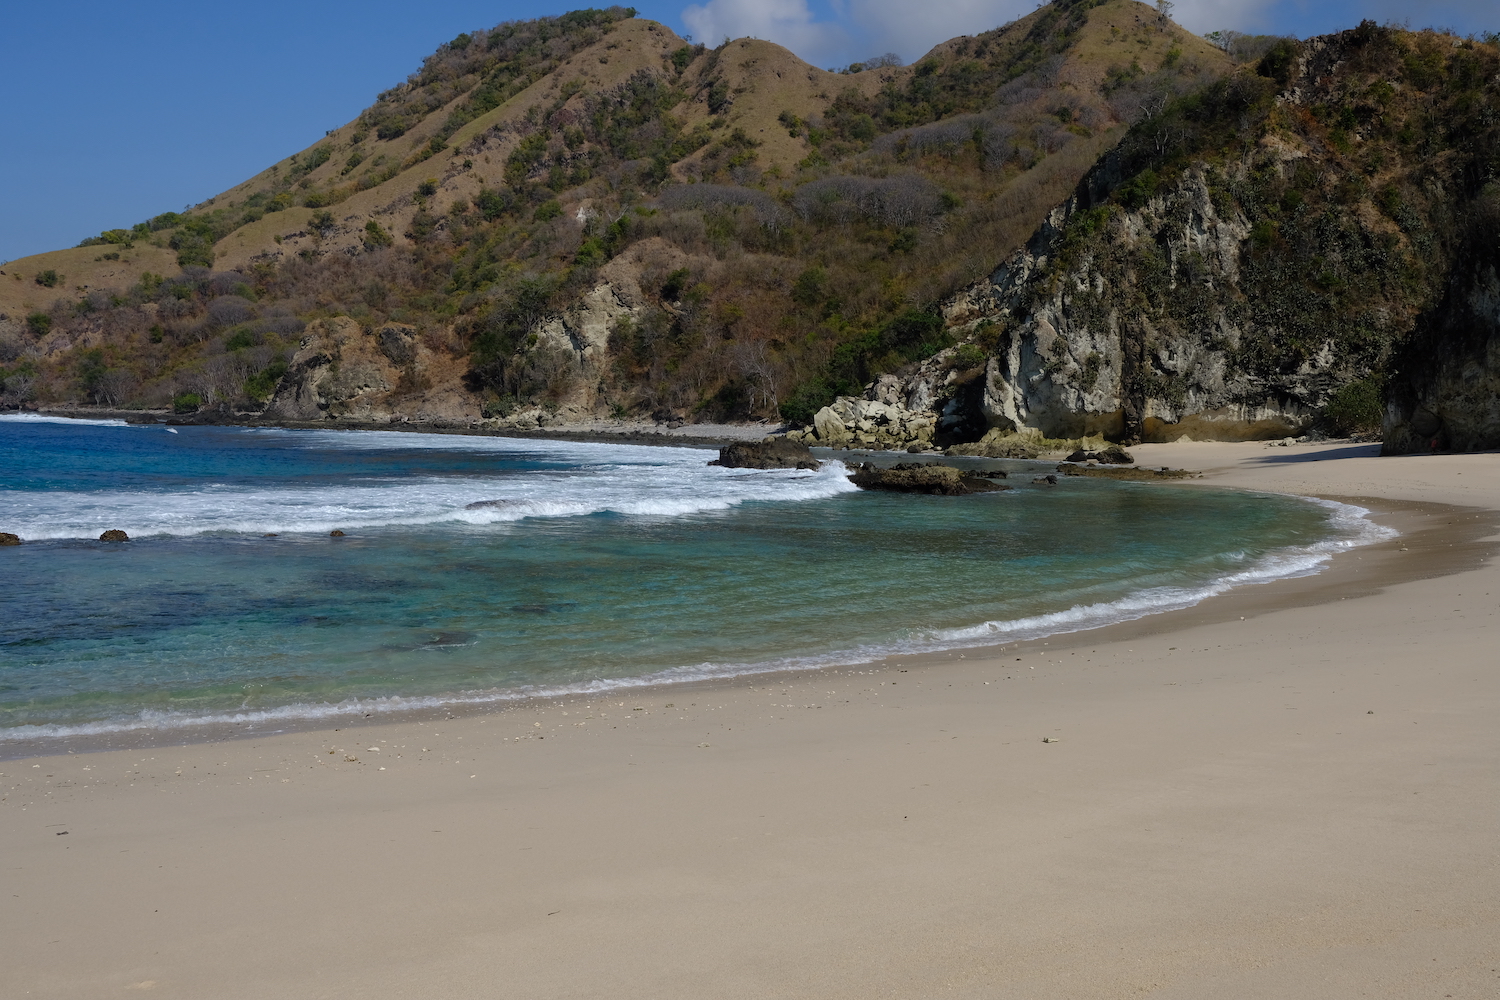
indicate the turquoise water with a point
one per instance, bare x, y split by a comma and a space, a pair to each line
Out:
590, 567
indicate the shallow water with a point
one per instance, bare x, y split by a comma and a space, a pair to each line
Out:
598, 566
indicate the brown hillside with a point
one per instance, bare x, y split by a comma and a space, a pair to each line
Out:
584, 213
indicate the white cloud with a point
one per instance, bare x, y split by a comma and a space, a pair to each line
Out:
785, 22
910, 29
858, 29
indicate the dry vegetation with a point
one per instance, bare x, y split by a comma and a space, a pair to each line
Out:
812, 223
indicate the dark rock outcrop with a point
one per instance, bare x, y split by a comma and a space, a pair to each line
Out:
917, 477
772, 453
1446, 393
335, 533
114, 535
398, 342
6, 538
1133, 474
1113, 455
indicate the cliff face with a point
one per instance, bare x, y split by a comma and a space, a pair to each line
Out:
1251, 263
1445, 394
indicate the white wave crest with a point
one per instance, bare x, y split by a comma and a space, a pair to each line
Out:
43, 418
677, 484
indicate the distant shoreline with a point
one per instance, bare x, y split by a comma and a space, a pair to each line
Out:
601, 432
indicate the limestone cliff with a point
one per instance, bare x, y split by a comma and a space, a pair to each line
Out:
1247, 264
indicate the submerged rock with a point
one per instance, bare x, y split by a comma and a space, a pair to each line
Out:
917, 477
114, 535
6, 538
335, 533
772, 453
1101, 472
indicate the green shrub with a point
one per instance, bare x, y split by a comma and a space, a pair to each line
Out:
49, 278
427, 188
548, 210
1138, 190
317, 199
186, 402
967, 357
315, 159
671, 289
39, 323
805, 401
496, 405
376, 237
1358, 407
239, 340
262, 385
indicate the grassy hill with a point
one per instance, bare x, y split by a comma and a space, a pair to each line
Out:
585, 214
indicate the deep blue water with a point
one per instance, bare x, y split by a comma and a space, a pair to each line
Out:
596, 565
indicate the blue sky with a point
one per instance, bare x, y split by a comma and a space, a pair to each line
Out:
115, 112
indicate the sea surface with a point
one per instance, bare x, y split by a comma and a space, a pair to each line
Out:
590, 567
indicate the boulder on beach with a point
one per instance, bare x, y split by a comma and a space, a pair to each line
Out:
6, 538
920, 477
772, 453
114, 535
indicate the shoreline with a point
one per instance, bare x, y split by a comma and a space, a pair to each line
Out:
298, 717
649, 434
260, 723
1286, 784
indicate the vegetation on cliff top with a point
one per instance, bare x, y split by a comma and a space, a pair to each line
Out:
1355, 186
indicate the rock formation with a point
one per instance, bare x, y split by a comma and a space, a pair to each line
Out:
1446, 394
772, 453
917, 477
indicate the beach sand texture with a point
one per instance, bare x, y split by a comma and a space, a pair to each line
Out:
1220, 813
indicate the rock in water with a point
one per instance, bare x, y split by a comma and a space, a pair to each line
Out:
6, 538
114, 535
772, 453
918, 477
1113, 455
1100, 472
335, 533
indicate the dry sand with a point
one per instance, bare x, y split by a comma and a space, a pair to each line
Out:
1221, 815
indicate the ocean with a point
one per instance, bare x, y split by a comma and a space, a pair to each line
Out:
484, 569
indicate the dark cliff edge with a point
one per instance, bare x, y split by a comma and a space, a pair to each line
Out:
1445, 393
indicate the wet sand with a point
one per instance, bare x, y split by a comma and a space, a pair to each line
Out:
1291, 790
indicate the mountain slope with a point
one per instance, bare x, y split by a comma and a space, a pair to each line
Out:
584, 214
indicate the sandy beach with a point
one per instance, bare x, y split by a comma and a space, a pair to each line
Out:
1291, 790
